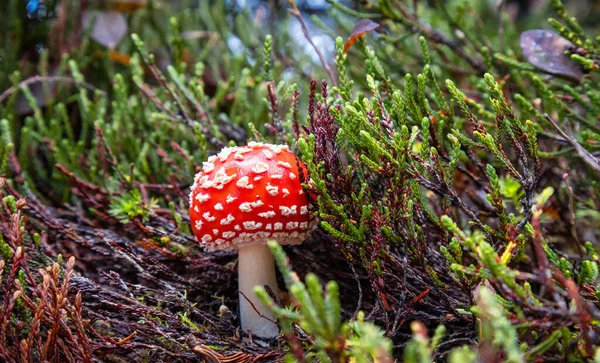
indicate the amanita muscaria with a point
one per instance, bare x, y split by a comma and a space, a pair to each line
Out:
242, 198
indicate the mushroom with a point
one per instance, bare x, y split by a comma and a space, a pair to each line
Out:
242, 198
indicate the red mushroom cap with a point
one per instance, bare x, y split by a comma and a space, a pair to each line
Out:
248, 194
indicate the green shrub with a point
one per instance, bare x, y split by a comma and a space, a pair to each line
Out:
454, 175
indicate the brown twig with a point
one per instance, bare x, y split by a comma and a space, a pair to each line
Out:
38, 79
256, 310
220, 358
125, 340
587, 157
275, 125
583, 312
296, 13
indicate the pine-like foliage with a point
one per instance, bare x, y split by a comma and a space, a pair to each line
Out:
453, 158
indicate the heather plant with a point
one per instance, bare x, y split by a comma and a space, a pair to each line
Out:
318, 313
453, 166
38, 318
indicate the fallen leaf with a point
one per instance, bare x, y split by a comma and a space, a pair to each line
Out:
109, 27
125, 6
362, 27
119, 57
546, 50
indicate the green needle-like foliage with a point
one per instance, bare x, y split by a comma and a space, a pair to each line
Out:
452, 158
317, 312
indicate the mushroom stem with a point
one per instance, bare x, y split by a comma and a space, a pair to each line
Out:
256, 267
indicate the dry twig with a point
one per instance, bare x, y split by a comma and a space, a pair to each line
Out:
296, 13
37, 79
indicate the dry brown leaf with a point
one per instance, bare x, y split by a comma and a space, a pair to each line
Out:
546, 50
362, 27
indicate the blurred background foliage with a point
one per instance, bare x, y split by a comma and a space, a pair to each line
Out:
454, 159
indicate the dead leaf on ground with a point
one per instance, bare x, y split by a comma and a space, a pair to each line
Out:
109, 27
362, 27
125, 6
546, 50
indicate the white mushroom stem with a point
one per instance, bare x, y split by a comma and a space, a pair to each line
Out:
256, 268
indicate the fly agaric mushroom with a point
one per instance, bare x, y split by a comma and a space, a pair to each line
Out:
242, 198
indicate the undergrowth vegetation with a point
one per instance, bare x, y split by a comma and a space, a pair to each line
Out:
453, 162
